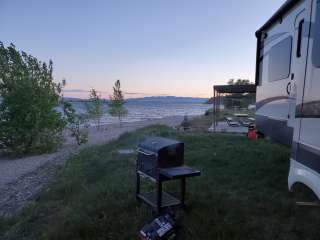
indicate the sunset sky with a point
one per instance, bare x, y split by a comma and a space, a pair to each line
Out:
155, 47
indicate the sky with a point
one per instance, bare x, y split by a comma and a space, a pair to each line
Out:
155, 47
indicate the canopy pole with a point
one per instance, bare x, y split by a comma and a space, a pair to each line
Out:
218, 108
214, 109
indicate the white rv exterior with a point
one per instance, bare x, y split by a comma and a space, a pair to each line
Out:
288, 86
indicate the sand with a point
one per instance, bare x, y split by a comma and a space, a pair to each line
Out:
22, 179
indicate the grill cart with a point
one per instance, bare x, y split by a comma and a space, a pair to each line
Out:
161, 160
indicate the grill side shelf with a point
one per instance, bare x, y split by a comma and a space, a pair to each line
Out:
179, 172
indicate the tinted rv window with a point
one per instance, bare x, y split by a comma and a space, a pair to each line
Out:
316, 43
280, 60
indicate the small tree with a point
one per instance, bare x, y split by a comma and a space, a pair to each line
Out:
29, 122
239, 82
186, 123
94, 107
116, 104
75, 123
239, 99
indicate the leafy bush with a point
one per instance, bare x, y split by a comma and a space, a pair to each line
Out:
186, 123
117, 108
94, 108
209, 112
76, 123
29, 122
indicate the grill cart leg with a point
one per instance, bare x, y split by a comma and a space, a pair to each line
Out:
159, 195
183, 192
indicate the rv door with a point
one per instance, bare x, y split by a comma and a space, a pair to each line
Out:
305, 154
294, 87
309, 111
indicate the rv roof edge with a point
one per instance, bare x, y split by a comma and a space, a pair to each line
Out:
289, 4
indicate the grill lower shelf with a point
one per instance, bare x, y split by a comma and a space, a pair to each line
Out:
167, 199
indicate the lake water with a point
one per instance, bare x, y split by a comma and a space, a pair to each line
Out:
139, 112
146, 110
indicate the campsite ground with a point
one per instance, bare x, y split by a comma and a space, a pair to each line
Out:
203, 122
22, 178
242, 193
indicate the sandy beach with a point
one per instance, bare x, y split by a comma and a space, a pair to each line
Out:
22, 179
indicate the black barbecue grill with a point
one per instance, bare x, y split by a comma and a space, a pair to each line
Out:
155, 153
162, 159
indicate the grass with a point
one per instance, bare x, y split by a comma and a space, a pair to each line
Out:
242, 194
203, 122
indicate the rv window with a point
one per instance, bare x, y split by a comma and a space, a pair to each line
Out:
280, 60
299, 43
316, 43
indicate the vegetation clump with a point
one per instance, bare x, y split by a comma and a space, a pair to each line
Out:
117, 102
239, 100
186, 123
95, 107
29, 121
75, 123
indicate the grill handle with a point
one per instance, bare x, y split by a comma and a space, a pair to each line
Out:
144, 153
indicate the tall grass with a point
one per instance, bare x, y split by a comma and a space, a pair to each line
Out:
242, 194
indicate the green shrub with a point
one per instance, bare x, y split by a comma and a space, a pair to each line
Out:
29, 122
76, 123
95, 107
185, 123
209, 112
116, 105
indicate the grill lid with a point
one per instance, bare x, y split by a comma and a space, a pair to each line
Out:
155, 144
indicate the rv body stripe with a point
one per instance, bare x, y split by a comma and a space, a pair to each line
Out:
305, 110
294, 149
308, 110
275, 128
269, 100
306, 155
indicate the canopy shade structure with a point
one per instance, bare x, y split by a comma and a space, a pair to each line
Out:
249, 88
228, 89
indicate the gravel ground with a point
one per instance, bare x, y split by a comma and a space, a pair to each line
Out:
22, 179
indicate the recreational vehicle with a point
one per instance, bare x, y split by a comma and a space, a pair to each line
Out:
288, 86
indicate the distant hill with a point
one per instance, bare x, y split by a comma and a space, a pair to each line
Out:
73, 99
